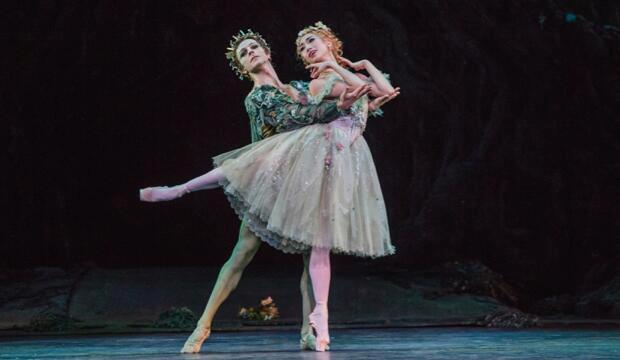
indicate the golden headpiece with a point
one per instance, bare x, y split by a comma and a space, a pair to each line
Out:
231, 50
325, 33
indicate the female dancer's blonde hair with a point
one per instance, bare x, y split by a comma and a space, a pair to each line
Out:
325, 33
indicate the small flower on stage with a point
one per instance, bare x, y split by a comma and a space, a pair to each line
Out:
266, 301
267, 310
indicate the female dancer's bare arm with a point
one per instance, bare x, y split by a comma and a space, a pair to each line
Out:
349, 78
380, 87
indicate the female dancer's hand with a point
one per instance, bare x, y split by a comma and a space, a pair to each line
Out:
350, 96
317, 68
163, 193
357, 66
381, 100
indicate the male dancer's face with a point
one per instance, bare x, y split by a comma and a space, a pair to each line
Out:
251, 55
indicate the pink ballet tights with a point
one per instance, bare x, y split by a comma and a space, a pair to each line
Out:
320, 275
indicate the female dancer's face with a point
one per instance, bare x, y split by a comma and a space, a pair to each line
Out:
313, 49
251, 55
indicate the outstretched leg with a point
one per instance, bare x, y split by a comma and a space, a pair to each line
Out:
209, 180
227, 281
320, 274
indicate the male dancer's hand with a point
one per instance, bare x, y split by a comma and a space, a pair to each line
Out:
348, 97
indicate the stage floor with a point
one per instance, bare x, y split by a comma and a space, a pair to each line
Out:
411, 343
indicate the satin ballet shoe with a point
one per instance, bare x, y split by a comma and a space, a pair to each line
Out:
318, 322
195, 340
308, 342
154, 194
162, 193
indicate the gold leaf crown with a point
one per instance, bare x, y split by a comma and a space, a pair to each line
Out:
325, 33
231, 50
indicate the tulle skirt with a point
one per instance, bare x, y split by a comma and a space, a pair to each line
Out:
309, 187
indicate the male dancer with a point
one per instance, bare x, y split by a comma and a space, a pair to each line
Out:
272, 110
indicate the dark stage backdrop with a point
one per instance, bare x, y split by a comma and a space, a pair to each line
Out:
503, 146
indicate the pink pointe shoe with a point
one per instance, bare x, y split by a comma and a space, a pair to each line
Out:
162, 193
195, 340
318, 322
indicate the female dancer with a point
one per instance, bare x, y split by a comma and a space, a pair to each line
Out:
321, 50
312, 188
